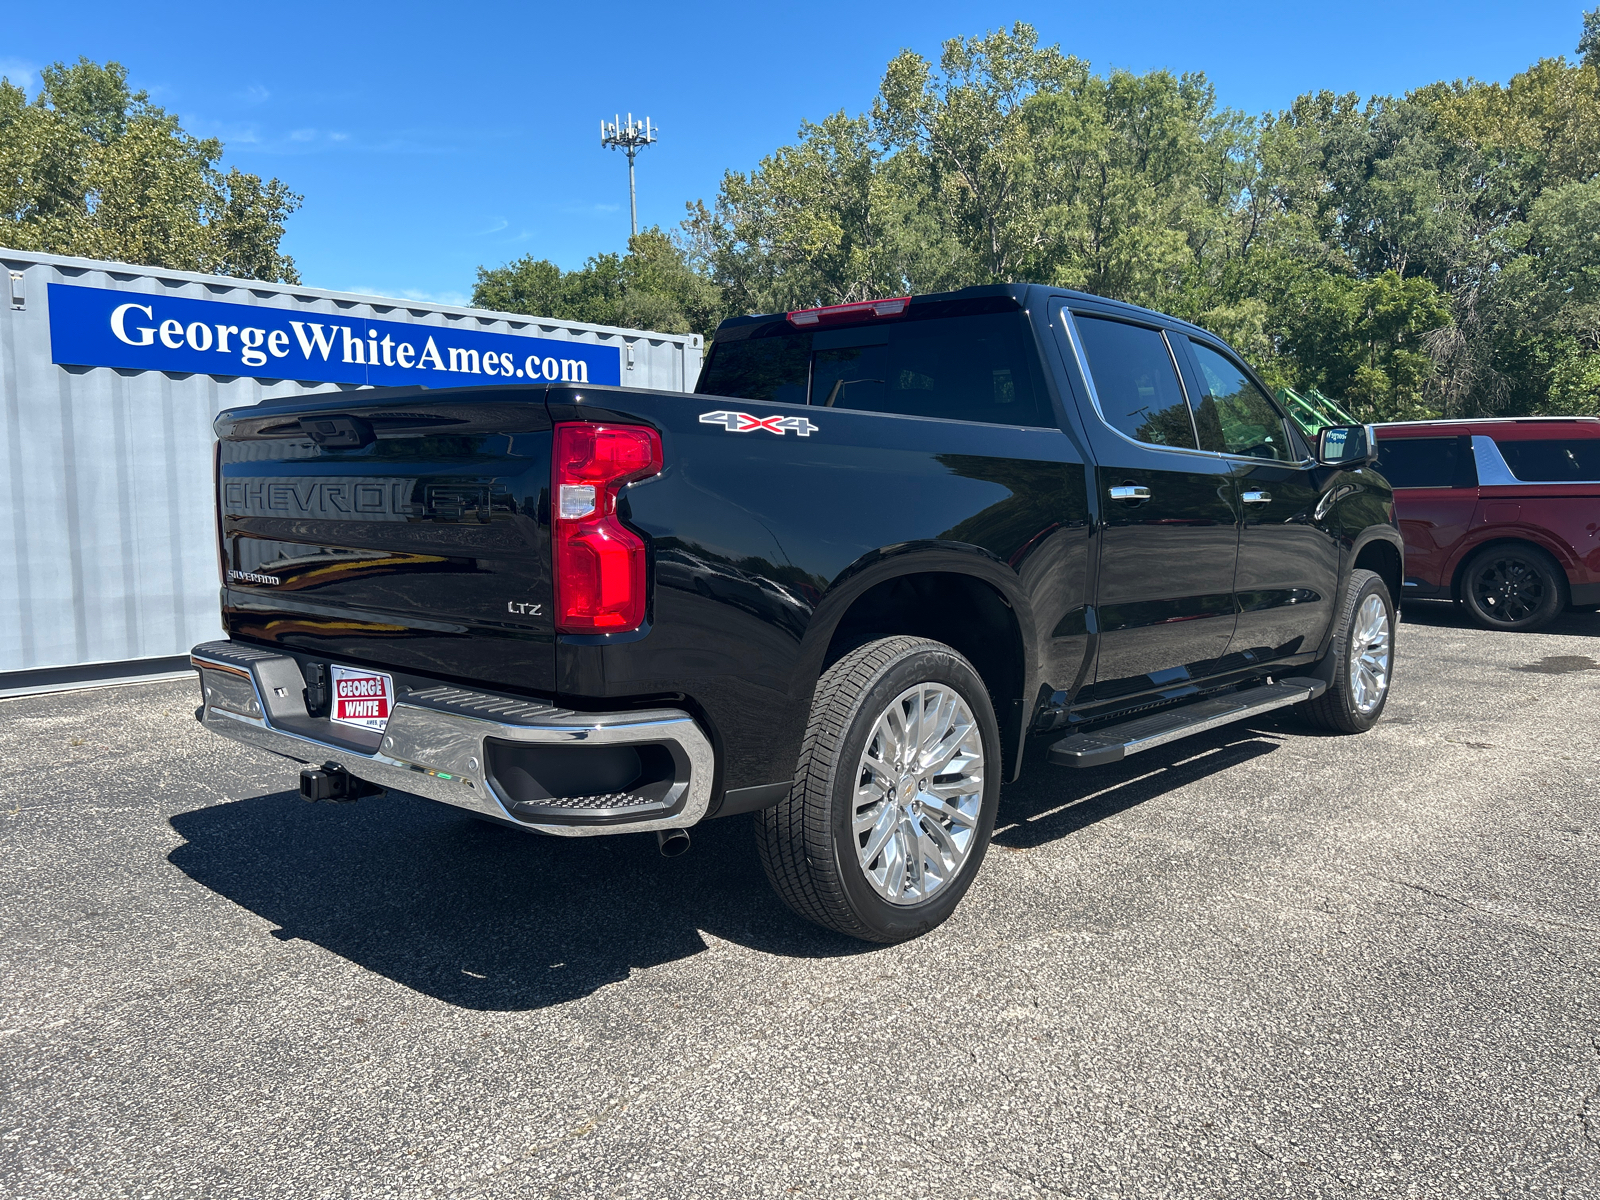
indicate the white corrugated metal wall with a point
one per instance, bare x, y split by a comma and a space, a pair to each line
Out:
107, 542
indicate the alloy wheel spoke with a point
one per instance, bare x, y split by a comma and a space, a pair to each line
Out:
932, 731
947, 749
951, 812
955, 789
883, 829
911, 849
879, 774
939, 845
894, 881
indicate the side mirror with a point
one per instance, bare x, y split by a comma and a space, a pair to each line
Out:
1346, 446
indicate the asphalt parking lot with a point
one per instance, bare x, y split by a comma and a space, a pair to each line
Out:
1261, 962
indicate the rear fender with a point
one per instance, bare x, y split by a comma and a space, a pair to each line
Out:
930, 558
1492, 535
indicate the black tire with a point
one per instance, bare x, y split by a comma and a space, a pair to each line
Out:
1514, 587
806, 842
1339, 709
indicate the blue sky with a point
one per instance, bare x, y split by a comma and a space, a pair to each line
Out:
430, 139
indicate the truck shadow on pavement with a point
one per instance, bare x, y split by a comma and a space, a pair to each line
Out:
494, 919
1442, 614
480, 916
1048, 802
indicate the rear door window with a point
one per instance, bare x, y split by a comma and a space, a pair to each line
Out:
1425, 462
981, 367
1234, 416
1569, 460
1136, 382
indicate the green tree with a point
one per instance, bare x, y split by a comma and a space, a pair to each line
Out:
970, 123
1555, 286
1434, 252
652, 286
91, 168
1362, 340
1589, 43
831, 219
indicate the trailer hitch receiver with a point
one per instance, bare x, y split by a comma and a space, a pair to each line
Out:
332, 782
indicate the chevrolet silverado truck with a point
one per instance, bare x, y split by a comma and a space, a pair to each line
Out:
840, 586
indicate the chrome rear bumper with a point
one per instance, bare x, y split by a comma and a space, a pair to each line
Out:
436, 744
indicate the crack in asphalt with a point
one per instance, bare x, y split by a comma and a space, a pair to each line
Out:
1516, 918
932, 1152
1329, 1176
1587, 1116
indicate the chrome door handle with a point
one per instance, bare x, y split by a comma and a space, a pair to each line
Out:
1129, 492
1257, 498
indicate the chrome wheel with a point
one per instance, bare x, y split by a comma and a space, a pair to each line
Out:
919, 791
1370, 643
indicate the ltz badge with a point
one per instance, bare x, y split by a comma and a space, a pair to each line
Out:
738, 422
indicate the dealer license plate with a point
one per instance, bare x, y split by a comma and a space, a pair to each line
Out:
361, 698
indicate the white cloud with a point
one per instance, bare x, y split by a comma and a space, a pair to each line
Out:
24, 75
459, 299
254, 94
303, 135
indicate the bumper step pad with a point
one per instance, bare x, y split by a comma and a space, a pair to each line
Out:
1115, 742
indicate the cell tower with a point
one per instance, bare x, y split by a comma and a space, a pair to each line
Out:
630, 138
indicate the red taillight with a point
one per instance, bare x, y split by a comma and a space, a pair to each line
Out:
599, 562
850, 312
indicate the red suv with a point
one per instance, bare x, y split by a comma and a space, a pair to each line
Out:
1502, 515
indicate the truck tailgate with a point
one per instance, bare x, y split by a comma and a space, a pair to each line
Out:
403, 533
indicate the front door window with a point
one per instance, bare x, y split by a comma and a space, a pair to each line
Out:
1234, 416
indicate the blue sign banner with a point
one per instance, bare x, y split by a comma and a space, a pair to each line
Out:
103, 327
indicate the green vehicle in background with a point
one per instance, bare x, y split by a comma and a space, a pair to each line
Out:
1313, 412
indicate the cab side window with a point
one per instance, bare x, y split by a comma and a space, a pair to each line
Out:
978, 367
972, 368
1423, 462
1577, 460
1135, 381
1233, 415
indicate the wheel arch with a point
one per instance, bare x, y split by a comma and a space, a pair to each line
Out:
1386, 559
956, 594
1458, 570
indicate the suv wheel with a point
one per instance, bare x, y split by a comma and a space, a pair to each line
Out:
1363, 659
1515, 588
895, 796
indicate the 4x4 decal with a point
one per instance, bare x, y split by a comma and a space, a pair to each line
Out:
738, 422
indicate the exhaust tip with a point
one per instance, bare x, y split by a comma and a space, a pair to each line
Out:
673, 842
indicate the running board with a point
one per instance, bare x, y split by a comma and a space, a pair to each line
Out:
1116, 742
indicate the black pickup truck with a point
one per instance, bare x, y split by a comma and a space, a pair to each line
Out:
840, 585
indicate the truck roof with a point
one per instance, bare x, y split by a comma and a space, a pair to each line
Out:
989, 297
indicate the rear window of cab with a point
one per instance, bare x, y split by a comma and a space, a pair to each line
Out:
978, 367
